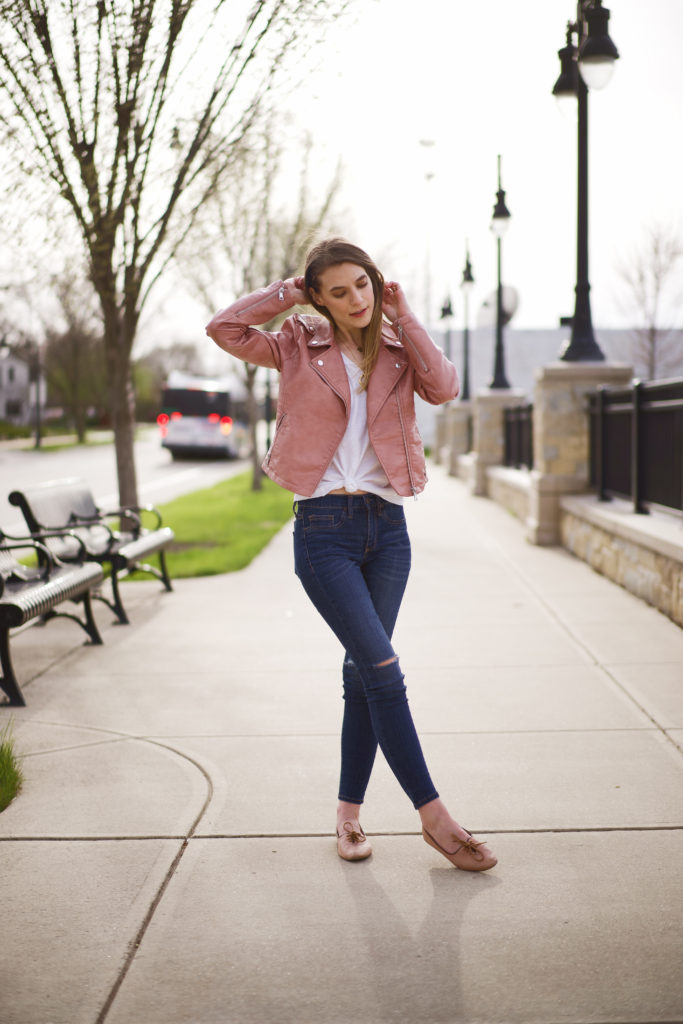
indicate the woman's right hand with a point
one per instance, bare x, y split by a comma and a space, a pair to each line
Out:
297, 291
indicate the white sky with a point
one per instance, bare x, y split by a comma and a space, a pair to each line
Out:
476, 77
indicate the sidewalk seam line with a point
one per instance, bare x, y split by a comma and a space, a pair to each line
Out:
147, 920
186, 840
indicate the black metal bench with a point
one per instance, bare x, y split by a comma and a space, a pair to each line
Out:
64, 508
33, 593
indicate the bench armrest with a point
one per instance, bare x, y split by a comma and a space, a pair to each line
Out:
21, 544
135, 512
35, 540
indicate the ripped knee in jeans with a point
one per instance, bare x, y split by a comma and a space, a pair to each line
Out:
389, 661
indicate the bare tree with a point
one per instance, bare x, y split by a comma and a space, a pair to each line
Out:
652, 283
72, 355
132, 114
259, 239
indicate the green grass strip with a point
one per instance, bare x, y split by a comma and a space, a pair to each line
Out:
11, 775
221, 529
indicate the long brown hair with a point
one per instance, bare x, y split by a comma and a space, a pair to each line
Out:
331, 253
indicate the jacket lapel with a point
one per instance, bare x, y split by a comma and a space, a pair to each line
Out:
326, 360
391, 365
328, 364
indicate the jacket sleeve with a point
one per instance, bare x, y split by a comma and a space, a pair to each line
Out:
436, 378
232, 330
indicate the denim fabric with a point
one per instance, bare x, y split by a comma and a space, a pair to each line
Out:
352, 555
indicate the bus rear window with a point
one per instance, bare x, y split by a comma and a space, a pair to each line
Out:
191, 402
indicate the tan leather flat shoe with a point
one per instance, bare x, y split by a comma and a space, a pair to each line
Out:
468, 855
353, 843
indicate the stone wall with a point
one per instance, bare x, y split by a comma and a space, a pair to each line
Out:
510, 488
642, 553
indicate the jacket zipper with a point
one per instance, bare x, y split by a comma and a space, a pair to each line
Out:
405, 445
277, 427
413, 346
264, 298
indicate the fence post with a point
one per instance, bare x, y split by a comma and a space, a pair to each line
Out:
507, 447
636, 424
600, 443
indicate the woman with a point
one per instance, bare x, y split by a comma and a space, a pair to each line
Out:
347, 445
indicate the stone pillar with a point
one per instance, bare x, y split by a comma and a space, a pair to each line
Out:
459, 433
561, 454
453, 433
441, 420
488, 433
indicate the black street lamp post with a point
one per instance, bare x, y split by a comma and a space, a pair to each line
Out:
588, 66
446, 315
499, 225
466, 287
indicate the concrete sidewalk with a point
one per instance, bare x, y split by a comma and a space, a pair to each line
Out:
171, 857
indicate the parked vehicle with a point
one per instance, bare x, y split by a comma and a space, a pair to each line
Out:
204, 417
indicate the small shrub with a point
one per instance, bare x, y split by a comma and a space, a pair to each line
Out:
10, 431
11, 775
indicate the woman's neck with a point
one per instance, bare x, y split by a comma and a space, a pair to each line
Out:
349, 337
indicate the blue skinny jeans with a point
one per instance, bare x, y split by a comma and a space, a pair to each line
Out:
352, 555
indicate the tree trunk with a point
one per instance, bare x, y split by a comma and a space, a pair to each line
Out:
252, 413
121, 396
79, 424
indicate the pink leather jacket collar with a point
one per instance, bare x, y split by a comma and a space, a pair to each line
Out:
314, 398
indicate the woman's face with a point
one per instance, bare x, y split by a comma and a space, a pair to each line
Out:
346, 291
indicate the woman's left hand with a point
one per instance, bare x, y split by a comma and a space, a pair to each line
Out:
394, 302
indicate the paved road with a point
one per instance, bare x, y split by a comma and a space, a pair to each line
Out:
159, 478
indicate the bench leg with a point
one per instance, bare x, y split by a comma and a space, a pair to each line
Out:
164, 571
117, 604
90, 626
161, 573
87, 623
8, 682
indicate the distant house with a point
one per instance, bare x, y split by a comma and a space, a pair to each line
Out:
17, 391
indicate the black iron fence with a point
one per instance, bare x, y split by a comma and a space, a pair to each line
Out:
518, 426
636, 443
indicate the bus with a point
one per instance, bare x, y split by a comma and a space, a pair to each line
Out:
201, 416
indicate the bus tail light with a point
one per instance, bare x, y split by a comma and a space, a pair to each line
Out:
226, 425
162, 421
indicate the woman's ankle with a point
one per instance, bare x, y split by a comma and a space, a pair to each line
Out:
436, 818
347, 811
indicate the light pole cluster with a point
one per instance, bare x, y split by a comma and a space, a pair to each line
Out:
587, 66
499, 224
466, 286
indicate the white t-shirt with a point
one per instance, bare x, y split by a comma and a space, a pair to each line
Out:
355, 465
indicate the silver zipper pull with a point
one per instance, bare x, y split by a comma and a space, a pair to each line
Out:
281, 293
400, 333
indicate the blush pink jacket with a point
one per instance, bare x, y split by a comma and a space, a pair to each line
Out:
314, 398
